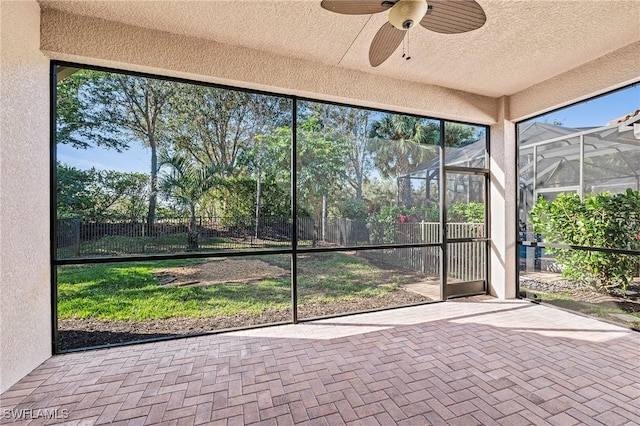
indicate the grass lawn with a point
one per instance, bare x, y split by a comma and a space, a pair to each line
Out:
325, 277
129, 291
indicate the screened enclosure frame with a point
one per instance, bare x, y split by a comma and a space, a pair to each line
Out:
567, 155
292, 248
615, 136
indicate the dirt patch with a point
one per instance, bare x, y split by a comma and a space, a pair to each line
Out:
80, 333
221, 271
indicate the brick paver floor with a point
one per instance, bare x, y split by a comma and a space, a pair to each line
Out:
457, 363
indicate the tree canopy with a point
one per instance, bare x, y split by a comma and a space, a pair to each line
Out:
100, 194
348, 160
400, 143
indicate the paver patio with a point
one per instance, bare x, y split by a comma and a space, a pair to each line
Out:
487, 362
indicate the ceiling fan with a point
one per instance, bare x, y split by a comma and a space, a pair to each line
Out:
441, 16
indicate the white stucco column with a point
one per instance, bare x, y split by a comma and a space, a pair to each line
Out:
25, 295
503, 205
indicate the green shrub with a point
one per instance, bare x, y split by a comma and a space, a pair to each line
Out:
354, 210
384, 224
238, 200
600, 220
466, 212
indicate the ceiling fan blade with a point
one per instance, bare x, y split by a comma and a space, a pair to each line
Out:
354, 7
386, 41
453, 16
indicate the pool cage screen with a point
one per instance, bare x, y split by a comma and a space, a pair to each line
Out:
554, 159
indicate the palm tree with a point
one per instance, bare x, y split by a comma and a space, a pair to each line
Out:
399, 144
187, 183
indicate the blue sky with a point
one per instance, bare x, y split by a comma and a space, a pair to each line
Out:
594, 113
599, 111
136, 159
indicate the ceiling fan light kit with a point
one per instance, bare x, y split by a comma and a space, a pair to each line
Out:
440, 16
404, 14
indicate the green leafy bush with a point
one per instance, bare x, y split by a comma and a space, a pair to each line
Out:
392, 214
237, 197
386, 224
466, 212
600, 220
354, 210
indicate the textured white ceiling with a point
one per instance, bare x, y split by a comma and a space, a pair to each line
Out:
523, 42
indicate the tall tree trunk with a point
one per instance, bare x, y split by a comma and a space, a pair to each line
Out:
324, 218
359, 189
153, 193
405, 191
404, 183
258, 190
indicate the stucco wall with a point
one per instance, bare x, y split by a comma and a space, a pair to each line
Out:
24, 135
99, 42
609, 72
502, 204
25, 321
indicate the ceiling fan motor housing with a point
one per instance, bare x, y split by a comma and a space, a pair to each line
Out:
405, 13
